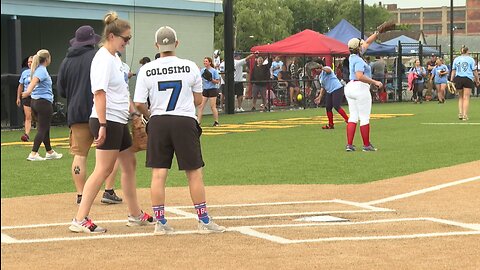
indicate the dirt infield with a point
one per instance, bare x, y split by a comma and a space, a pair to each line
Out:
429, 220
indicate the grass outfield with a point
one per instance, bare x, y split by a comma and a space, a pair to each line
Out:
299, 153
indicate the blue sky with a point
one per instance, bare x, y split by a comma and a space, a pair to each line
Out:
417, 3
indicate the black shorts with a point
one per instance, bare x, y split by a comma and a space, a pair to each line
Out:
238, 86
169, 134
222, 89
463, 82
210, 92
26, 101
118, 135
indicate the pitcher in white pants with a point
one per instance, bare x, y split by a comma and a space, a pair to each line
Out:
357, 92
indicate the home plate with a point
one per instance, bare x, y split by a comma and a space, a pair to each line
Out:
325, 218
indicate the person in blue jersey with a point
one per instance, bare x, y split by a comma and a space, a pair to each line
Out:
357, 92
111, 110
174, 87
440, 79
40, 89
23, 83
418, 85
210, 81
334, 94
464, 73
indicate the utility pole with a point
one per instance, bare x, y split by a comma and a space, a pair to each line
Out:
362, 18
451, 33
229, 65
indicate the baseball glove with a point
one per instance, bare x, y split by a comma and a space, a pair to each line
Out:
386, 26
139, 134
451, 88
207, 75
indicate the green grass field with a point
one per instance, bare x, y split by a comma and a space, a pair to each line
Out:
304, 154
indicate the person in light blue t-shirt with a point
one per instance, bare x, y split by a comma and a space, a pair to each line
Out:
335, 93
357, 92
23, 83
440, 78
419, 82
210, 81
464, 72
40, 89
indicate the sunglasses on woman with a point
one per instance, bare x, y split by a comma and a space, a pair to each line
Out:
126, 39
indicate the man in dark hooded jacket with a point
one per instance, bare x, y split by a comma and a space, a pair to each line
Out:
73, 83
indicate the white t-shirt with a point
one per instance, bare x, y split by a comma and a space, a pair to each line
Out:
238, 75
107, 74
221, 69
169, 83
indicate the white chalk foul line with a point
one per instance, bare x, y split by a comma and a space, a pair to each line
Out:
422, 191
261, 204
381, 237
250, 230
7, 239
459, 123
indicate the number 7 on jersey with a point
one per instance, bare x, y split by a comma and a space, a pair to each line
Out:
176, 87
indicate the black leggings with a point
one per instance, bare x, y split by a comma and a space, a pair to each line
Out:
43, 110
334, 100
418, 91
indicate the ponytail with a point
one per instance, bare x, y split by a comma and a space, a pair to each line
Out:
39, 58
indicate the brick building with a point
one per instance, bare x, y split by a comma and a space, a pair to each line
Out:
436, 20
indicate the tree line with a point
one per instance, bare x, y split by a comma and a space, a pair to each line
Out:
267, 21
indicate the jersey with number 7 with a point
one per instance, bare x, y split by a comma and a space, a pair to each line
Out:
169, 83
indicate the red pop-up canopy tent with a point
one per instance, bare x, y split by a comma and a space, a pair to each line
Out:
307, 42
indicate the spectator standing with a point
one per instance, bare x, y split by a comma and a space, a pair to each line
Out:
335, 93
210, 81
357, 92
419, 82
260, 76
23, 83
73, 83
464, 74
440, 79
40, 89
173, 128
238, 78
379, 72
108, 123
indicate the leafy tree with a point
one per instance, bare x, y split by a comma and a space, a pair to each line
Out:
265, 21
256, 22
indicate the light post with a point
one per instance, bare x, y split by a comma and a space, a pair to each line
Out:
436, 35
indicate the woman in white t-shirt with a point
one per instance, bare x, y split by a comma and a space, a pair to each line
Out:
108, 124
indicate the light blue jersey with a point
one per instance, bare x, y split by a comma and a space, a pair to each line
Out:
464, 66
44, 86
25, 79
358, 64
278, 64
215, 76
436, 72
329, 81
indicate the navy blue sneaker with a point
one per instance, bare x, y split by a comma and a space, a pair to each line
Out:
369, 148
350, 148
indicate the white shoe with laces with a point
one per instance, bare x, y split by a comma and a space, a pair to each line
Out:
210, 227
53, 155
35, 157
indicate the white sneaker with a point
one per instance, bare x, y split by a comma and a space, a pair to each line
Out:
237, 110
241, 109
162, 229
210, 227
53, 155
86, 226
35, 157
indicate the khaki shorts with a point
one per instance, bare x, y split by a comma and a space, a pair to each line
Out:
81, 139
